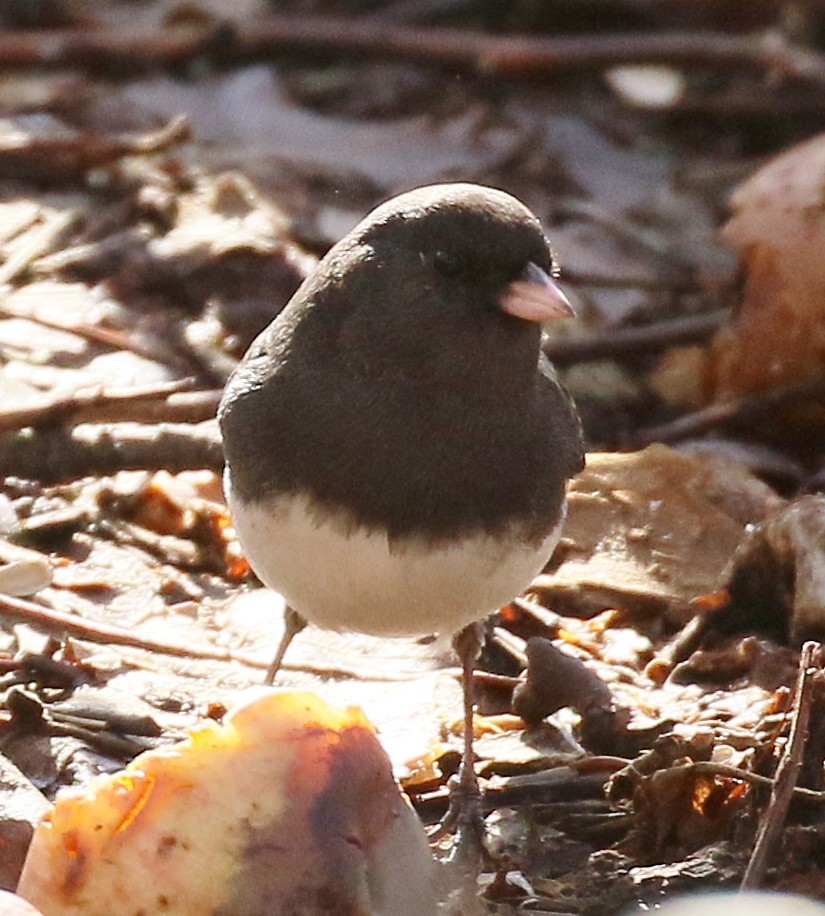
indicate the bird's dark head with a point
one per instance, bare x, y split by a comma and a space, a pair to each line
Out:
441, 281
405, 375
458, 233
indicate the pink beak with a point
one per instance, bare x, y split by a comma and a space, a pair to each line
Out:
536, 297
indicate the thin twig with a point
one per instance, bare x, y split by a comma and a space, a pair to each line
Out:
513, 645
97, 403
744, 409
60, 624
516, 56
708, 768
628, 341
787, 772
652, 282
547, 618
38, 241
108, 337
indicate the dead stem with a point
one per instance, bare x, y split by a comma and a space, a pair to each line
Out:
93, 404
787, 772
58, 623
621, 342
60, 455
514, 56
743, 409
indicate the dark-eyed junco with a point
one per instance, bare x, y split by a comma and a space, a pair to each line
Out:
397, 446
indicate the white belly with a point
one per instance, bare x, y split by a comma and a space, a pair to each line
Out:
353, 580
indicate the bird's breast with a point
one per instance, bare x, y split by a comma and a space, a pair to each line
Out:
358, 579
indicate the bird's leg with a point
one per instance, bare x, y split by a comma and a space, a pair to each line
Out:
293, 624
467, 644
464, 813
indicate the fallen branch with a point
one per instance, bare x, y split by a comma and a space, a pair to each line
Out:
787, 772
102, 405
59, 455
516, 56
615, 343
58, 157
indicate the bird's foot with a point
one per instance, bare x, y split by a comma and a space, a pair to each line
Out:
463, 818
463, 821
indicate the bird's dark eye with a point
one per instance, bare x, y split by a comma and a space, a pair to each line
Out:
447, 263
